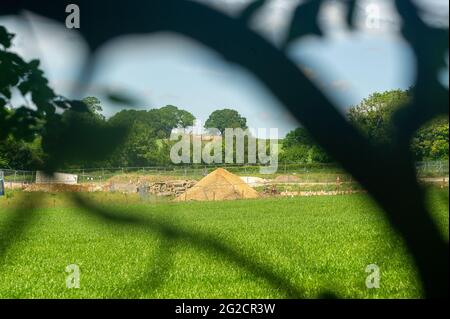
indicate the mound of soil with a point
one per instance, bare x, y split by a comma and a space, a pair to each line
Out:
219, 185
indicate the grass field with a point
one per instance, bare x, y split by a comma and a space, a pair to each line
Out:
272, 248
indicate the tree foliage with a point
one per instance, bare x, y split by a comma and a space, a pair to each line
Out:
23, 121
299, 147
69, 130
171, 117
160, 121
147, 141
374, 118
46, 130
431, 141
19, 154
226, 118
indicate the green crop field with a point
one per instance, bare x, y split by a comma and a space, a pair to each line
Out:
301, 247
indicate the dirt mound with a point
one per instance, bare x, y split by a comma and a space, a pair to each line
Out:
287, 179
219, 185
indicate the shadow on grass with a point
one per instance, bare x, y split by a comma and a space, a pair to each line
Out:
386, 172
17, 224
171, 234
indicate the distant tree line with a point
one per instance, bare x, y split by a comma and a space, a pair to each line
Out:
373, 117
147, 139
146, 142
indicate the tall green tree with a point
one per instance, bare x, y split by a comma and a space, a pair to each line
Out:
299, 147
18, 154
161, 121
137, 149
171, 117
373, 116
298, 136
226, 118
94, 106
431, 141
129, 117
146, 144
3, 161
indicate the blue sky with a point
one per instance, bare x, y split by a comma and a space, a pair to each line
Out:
169, 69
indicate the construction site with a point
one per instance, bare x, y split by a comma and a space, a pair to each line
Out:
206, 183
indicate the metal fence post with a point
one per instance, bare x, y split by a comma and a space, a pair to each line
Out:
2, 184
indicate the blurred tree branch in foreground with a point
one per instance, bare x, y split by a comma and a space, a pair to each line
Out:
386, 171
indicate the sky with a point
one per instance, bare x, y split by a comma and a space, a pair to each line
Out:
165, 68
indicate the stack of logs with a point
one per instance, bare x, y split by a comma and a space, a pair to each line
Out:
170, 188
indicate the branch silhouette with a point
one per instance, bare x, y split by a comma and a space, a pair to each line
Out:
386, 172
170, 233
